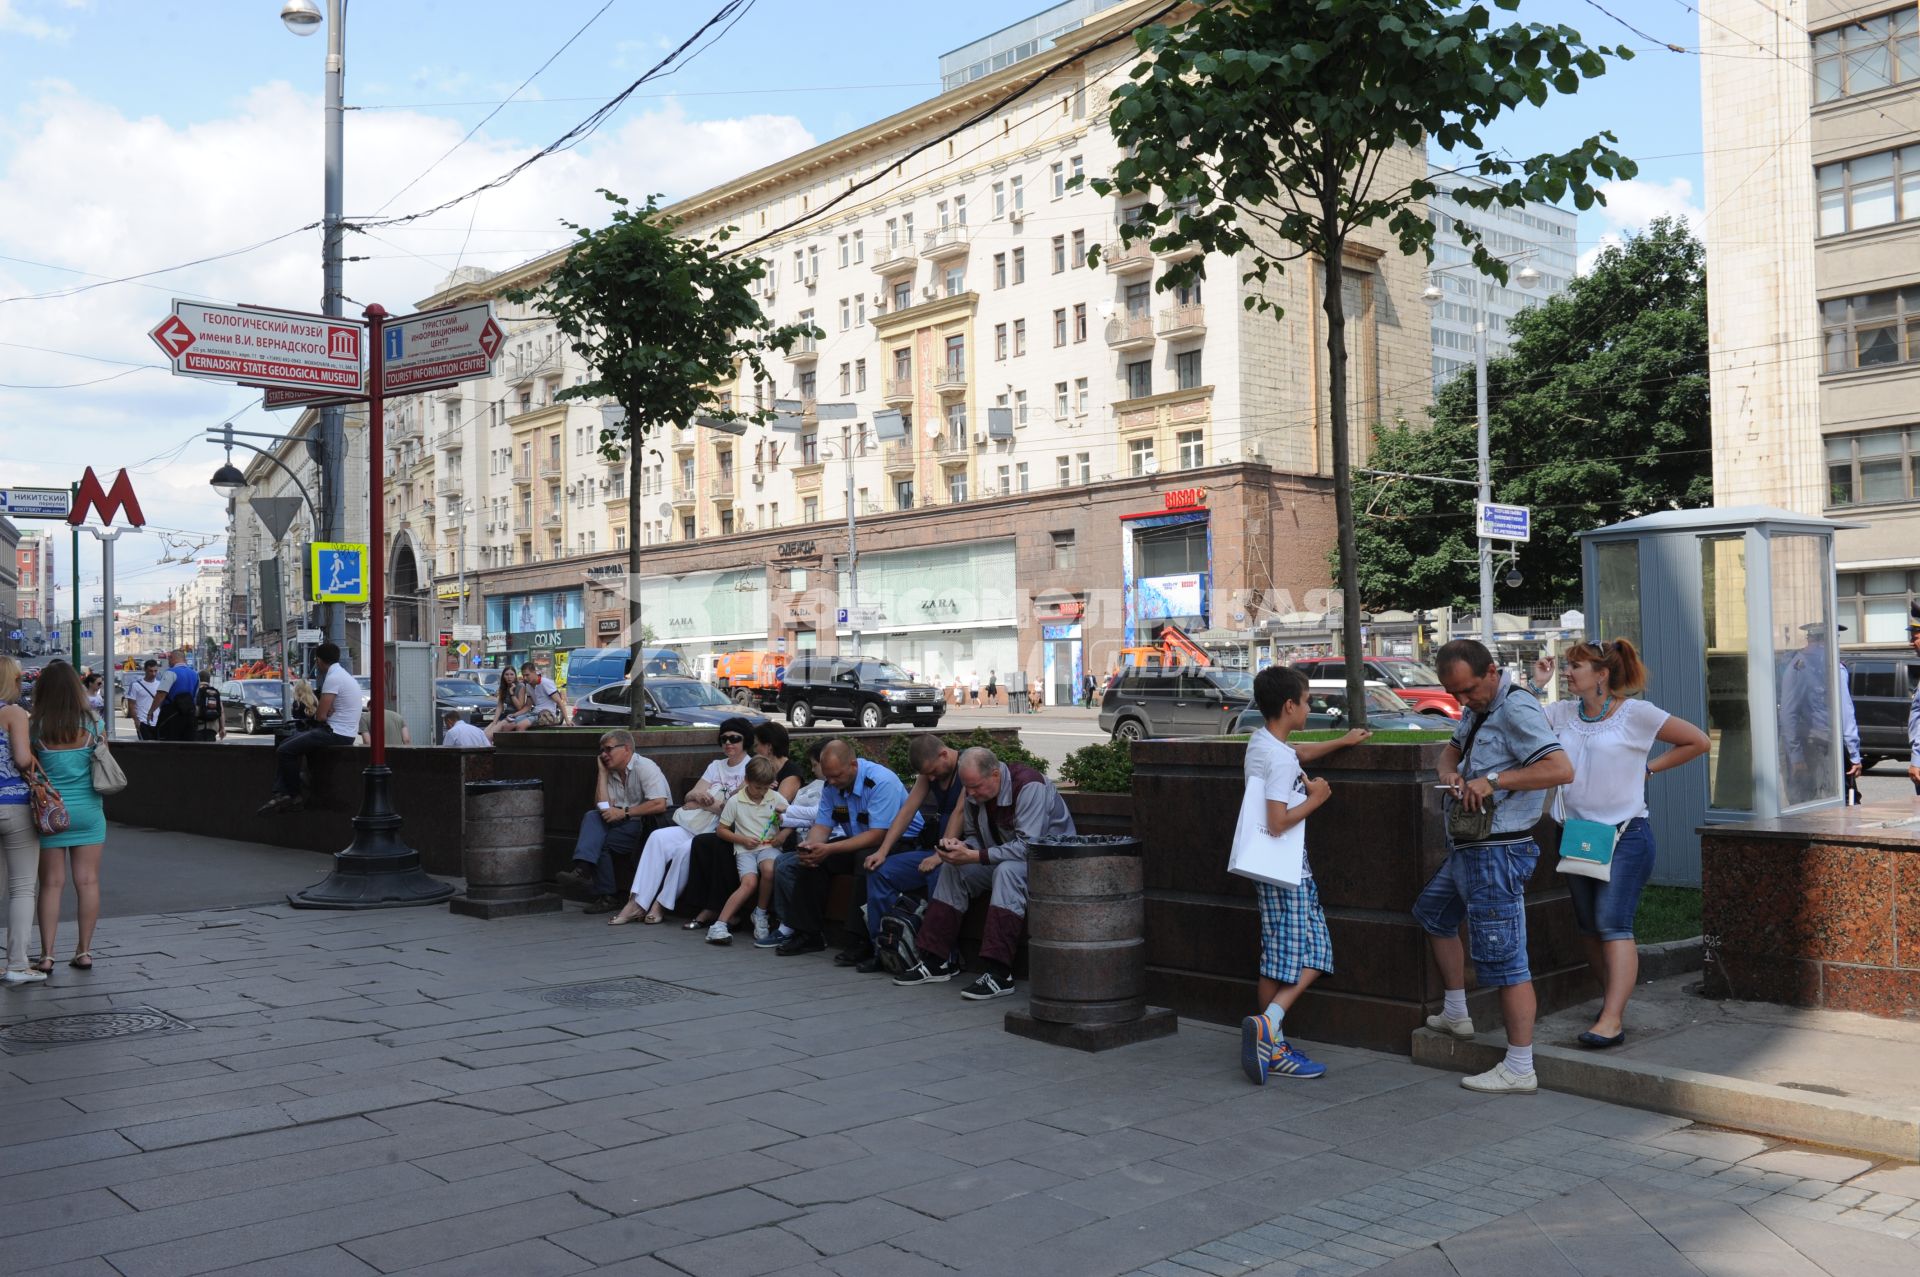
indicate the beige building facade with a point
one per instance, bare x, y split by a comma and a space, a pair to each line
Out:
1813, 269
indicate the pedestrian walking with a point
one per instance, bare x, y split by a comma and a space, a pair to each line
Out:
1295, 948
973, 688
179, 715
1608, 733
64, 735
18, 842
993, 686
144, 695
1501, 761
1088, 689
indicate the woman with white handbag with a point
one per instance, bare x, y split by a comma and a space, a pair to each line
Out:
1606, 845
65, 736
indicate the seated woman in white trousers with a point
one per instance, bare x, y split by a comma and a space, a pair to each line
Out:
663, 861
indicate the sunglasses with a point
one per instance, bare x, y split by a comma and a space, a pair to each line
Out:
732, 738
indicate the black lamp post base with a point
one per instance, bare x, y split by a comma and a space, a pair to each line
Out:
379, 870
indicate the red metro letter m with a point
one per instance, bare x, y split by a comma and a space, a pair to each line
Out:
106, 504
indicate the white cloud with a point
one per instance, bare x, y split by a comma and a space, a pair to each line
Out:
85, 186
1630, 207
15, 21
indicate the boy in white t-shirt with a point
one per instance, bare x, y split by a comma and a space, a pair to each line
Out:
1295, 949
751, 821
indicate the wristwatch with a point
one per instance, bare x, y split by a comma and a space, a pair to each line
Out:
1493, 778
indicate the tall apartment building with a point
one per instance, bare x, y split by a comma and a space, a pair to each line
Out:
201, 609
9, 584
35, 558
1536, 235
1078, 458
1813, 276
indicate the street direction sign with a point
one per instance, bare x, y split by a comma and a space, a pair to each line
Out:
339, 572
1503, 522
439, 347
309, 636
263, 347
274, 398
860, 616
250, 654
469, 633
35, 503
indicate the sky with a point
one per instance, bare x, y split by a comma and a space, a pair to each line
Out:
142, 135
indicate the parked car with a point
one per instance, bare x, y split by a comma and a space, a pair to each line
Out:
1327, 707
488, 679
597, 666
672, 700
1882, 684
252, 705
859, 691
1191, 700
463, 694
1414, 682
750, 678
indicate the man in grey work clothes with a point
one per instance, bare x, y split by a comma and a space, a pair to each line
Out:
1504, 754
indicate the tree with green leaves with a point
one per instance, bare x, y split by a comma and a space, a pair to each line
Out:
1598, 413
661, 320
1258, 128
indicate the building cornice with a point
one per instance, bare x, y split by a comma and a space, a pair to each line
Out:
927, 314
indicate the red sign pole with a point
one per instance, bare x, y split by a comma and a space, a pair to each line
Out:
379, 871
376, 530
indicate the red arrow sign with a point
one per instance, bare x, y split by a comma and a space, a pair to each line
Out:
491, 337
173, 336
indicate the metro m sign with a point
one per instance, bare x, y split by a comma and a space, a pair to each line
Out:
106, 503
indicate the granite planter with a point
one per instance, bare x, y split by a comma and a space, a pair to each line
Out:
1372, 847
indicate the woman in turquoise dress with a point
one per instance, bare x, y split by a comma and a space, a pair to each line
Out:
64, 734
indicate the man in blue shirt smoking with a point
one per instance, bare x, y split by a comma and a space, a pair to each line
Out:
872, 796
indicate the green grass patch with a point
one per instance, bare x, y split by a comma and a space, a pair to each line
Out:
1667, 913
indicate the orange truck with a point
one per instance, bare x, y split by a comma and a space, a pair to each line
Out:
750, 678
1175, 647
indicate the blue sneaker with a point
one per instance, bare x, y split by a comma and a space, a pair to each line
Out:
1287, 1061
772, 939
1256, 1044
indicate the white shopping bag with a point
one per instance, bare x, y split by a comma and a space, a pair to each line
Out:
1262, 856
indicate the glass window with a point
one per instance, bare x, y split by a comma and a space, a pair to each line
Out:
1808, 743
1193, 449
1140, 379
1871, 330
956, 280
1870, 54
1723, 591
1140, 457
1874, 466
1063, 542
1186, 367
1060, 327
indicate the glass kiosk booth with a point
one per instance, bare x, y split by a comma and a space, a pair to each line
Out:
1733, 611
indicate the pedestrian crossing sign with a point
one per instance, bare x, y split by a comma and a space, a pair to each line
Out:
339, 572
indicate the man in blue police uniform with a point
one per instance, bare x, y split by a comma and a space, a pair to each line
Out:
872, 795
1806, 719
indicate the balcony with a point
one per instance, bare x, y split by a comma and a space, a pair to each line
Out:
1130, 332
945, 243
952, 450
449, 486
1127, 259
522, 476
681, 438
1183, 321
550, 468
897, 458
805, 351
403, 430
451, 437
551, 519
685, 494
950, 379
809, 409
897, 392
721, 489
895, 259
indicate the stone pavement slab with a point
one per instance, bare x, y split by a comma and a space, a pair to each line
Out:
410, 1091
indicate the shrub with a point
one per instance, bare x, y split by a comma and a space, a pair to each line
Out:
1105, 767
1005, 751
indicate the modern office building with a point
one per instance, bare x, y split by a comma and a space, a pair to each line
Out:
1046, 460
1536, 235
1813, 278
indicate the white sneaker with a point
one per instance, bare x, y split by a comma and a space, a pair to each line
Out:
719, 933
26, 975
759, 924
1501, 1080
1461, 1028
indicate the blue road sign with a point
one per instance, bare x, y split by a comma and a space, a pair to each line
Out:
843, 616
1504, 522
86, 633
396, 337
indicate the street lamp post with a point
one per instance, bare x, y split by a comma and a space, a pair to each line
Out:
303, 18
1526, 278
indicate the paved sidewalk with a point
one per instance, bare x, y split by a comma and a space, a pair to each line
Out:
409, 1091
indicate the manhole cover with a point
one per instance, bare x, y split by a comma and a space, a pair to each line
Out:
616, 995
89, 1026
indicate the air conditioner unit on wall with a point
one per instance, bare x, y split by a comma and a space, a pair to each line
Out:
1016, 215
929, 292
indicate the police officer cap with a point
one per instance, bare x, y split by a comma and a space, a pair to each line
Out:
1820, 627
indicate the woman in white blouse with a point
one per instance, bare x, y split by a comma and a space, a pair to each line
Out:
1608, 734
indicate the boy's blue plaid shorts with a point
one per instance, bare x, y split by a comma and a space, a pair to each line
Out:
1293, 932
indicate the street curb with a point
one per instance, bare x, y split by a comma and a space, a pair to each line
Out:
1759, 1107
1675, 957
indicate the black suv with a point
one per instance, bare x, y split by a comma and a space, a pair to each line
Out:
1882, 684
859, 691
1185, 701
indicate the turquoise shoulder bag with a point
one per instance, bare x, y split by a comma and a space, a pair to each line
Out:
1586, 848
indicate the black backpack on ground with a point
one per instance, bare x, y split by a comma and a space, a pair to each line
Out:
898, 949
